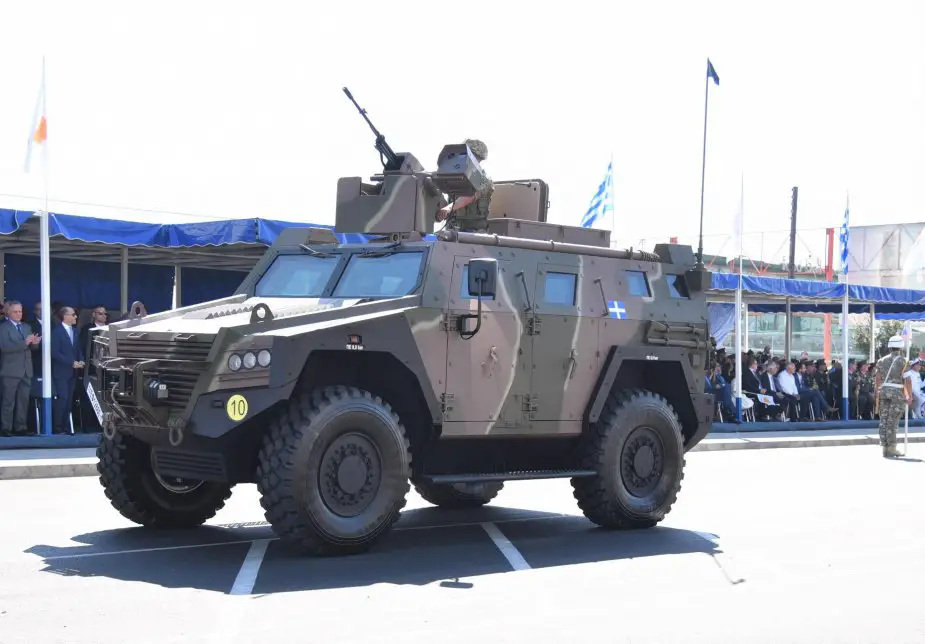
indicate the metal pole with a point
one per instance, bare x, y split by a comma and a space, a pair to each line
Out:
791, 270
45, 262
844, 346
703, 170
123, 280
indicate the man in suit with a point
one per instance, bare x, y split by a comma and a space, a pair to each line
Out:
66, 358
770, 383
751, 382
17, 342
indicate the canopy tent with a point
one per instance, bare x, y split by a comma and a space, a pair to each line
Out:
114, 262
769, 295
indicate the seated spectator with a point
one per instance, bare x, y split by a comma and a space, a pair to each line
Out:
810, 398
751, 383
865, 395
912, 381
722, 390
770, 382
788, 386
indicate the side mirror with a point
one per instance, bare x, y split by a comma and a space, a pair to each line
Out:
483, 277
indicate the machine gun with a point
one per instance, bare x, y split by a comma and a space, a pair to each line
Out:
390, 160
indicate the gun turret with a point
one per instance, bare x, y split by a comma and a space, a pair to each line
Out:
403, 199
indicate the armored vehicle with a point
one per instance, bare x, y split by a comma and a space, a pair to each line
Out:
339, 375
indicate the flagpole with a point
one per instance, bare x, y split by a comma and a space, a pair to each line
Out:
703, 171
908, 333
740, 363
46, 283
844, 316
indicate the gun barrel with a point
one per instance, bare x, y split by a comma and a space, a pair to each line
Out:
384, 149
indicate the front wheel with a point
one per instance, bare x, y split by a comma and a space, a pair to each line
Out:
146, 498
637, 450
333, 471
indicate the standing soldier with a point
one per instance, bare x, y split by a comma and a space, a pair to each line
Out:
471, 211
890, 370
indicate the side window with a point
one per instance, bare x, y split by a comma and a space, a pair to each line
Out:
560, 288
637, 284
464, 286
677, 287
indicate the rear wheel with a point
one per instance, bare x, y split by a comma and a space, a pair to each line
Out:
637, 450
458, 496
333, 470
148, 499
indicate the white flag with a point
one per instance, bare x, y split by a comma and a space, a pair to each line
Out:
38, 135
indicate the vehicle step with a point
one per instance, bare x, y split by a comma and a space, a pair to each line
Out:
509, 476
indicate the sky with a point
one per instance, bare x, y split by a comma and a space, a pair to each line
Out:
197, 111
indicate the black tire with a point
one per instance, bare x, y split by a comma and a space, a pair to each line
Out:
141, 496
637, 450
301, 479
458, 496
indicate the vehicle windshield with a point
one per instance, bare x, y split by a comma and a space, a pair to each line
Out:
297, 276
391, 275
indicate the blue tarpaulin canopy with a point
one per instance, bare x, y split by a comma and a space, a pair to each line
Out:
824, 297
87, 254
173, 236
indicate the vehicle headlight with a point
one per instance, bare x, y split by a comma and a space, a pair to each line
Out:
263, 358
234, 362
250, 360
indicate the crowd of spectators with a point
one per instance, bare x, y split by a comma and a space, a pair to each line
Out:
21, 367
797, 389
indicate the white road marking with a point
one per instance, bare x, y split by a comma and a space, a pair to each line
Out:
247, 576
251, 541
507, 548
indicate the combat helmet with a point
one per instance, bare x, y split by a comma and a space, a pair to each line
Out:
479, 149
896, 342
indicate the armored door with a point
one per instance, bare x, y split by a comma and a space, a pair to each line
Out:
487, 375
568, 309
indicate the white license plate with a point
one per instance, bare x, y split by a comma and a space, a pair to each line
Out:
94, 402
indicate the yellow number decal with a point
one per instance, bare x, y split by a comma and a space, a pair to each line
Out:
236, 407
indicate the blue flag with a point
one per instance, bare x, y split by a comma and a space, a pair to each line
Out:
711, 72
843, 238
602, 202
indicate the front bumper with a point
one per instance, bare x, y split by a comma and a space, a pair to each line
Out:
164, 391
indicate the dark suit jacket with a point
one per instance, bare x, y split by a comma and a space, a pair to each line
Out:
17, 357
750, 382
766, 382
64, 353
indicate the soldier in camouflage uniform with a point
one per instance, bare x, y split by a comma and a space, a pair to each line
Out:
471, 212
893, 394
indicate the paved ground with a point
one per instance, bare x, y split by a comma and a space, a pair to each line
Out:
778, 545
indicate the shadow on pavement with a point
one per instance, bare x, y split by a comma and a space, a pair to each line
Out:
428, 545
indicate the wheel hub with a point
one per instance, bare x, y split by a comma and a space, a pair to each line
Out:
642, 461
350, 474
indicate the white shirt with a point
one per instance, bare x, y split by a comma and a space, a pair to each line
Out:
787, 383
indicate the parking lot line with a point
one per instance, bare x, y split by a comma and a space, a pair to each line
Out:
247, 576
507, 548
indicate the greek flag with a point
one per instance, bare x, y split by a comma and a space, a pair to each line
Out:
843, 237
602, 202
